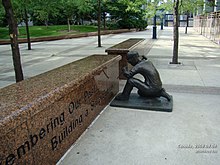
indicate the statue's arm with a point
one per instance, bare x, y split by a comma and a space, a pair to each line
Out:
129, 73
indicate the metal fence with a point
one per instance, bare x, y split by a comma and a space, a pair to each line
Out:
209, 26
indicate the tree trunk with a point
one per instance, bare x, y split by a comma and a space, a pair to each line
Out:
186, 29
68, 23
46, 21
14, 39
99, 23
27, 29
175, 32
82, 20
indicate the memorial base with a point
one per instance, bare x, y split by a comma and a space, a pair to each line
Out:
143, 103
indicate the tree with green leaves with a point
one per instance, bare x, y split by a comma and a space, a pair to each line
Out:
177, 7
2, 15
153, 6
137, 8
180, 6
127, 13
76, 10
22, 7
69, 9
86, 8
190, 6
13, 33
175, 31
44, 9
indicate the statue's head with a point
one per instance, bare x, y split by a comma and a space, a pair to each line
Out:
133, 57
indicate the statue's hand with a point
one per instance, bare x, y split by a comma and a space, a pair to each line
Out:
124, 69
127, 74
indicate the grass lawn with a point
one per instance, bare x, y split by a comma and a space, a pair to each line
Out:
55, 30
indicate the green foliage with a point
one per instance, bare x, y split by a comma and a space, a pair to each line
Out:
68, 8
184, 6
152, 8
112, 25
127, 13
19, 6
141, 24
211, 3
43, 9
85, 6
124, 13
190, 5
2, 16
134, 5
4, 33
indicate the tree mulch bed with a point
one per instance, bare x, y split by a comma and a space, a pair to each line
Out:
127, 44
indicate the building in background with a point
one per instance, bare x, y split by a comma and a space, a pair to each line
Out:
209, 6
207, 22
168, 20
217, 5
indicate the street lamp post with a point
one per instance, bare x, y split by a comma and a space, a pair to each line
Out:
155, 28
162, 15
99, 23
162, 19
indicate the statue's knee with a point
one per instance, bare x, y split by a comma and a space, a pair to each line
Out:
141, 93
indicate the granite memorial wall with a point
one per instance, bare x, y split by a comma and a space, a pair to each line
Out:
41, 117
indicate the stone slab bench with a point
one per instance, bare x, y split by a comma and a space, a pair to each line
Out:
41, 117
122, 49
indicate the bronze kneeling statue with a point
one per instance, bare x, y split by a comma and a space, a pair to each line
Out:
152, 85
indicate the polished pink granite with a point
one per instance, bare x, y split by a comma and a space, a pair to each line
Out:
41, 117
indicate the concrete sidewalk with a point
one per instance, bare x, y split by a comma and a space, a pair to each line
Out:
190, 135
48, 55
